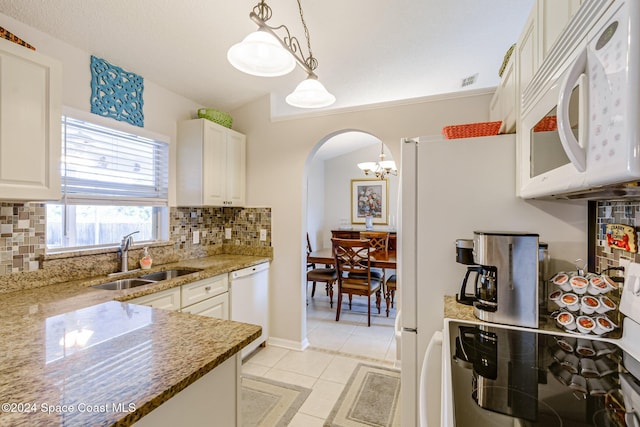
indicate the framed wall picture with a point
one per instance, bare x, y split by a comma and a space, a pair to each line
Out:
369, 197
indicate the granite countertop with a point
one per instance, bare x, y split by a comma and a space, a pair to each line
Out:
455, 310
134, 358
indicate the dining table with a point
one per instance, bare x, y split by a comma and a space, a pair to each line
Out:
379, 259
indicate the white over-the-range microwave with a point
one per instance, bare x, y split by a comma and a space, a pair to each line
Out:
581, 111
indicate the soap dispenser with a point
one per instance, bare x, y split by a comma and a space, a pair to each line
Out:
146, 261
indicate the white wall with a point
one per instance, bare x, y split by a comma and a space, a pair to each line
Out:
162, 108
316, 203
278, 154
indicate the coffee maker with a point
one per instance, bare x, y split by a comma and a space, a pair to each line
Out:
464, 255
507, 292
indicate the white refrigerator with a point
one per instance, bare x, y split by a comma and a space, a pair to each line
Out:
449, 189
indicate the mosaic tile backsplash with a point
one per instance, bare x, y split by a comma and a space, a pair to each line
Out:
23, 243
22, 236
627, 213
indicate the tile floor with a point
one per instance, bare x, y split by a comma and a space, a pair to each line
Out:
336, 349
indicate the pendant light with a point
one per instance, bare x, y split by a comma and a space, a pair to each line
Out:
263, 53
382, 168
310, 93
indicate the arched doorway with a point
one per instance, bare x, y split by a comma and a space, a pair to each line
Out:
329, 170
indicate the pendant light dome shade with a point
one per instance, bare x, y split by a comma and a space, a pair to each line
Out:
261, 54
310, 93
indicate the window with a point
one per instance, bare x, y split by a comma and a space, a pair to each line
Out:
113, 183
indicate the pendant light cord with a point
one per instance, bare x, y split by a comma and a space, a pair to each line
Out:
310, 61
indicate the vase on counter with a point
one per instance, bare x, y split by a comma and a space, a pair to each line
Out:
368, 222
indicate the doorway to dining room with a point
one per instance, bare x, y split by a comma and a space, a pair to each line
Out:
331, 172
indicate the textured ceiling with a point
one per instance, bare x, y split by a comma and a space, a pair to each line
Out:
369, 51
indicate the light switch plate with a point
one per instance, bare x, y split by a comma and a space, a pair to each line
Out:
227, 233
263, 235
196, 237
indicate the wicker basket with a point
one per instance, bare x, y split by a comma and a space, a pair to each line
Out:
547, 124
216, 116
471, 130
6, 34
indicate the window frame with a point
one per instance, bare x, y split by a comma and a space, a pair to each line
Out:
160, 210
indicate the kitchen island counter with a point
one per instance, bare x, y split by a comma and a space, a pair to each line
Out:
75, 355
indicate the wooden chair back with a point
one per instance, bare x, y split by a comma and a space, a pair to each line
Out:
309, 250
353, 263
378, 240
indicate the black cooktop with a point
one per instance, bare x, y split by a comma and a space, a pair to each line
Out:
510, 377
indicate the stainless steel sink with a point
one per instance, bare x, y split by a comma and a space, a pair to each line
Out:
123, 284
158, 276
166, 275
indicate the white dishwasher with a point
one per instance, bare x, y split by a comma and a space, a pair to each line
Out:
249, 296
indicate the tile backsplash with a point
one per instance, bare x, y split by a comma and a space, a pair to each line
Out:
22, 236
23, 242
245, 225
609, 212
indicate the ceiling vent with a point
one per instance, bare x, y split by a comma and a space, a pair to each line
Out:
467, 81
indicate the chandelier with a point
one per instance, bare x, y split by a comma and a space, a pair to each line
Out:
382, 168
263, 53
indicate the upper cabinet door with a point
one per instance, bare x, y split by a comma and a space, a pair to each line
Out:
553, 16
236, 168
30, 124
214, 156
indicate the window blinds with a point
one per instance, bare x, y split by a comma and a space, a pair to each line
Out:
106, 166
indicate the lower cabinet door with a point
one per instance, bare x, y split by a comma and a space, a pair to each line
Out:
217, 306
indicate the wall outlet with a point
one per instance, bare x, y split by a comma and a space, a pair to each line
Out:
263, 235
227, 233
196, 237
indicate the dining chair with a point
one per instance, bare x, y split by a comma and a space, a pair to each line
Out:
379, 241
353, 265
390, 291
315, 274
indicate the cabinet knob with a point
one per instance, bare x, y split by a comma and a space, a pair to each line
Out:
207, 288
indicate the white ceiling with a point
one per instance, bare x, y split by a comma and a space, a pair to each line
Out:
369, 51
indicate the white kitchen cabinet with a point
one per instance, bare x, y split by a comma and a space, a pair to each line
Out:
211, 165
543, 27
545, 23
214, 399
203, 289
207, 297
30, 124
553, 17
217, 307
168, 299
503, 103
527, 59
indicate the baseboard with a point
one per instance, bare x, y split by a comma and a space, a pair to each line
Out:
288, 344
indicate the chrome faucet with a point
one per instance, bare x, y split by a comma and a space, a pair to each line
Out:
123, 251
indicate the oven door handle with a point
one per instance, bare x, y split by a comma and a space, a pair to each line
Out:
575, 75
423, 398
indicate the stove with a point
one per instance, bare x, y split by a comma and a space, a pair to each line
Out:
501, 375
498, 375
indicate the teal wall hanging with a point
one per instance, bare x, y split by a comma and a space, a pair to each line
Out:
116, 93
